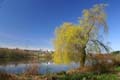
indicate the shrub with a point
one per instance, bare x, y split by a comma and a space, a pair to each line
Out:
6, 76
32, 70
116, 58
102, 63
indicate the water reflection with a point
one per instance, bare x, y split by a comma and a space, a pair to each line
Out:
44, 66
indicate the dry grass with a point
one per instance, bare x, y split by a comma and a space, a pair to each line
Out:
100, 63
116, 58
6, 76
32, 70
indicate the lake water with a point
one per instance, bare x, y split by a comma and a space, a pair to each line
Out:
43, 66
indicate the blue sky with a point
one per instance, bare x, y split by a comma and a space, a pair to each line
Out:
31, 23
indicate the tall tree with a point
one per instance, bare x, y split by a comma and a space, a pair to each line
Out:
74, 39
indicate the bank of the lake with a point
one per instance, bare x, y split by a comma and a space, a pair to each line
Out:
64, 76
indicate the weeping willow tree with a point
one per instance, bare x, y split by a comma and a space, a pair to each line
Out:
74, 40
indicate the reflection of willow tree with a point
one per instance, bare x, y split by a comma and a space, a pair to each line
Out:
72, 41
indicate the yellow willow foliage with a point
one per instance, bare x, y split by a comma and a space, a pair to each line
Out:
71, 39
60, 58
67, 36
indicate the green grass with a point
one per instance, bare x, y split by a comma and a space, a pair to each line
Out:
89, 76
117, 68
78, 76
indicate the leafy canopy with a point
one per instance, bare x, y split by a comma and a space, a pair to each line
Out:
74, 40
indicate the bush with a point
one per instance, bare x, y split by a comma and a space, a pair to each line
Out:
32, 70
6, 76
101, 63
116, 58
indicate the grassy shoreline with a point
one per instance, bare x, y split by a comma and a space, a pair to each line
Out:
114, 75
76, 76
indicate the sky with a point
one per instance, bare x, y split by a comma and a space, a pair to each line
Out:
31, 23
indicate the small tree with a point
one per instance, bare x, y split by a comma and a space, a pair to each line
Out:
76, 38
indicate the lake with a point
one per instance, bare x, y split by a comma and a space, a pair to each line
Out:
44, 66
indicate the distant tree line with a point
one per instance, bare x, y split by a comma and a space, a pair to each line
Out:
115, 52
24, 53
14, 53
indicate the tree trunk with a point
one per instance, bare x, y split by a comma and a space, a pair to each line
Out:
82, 57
